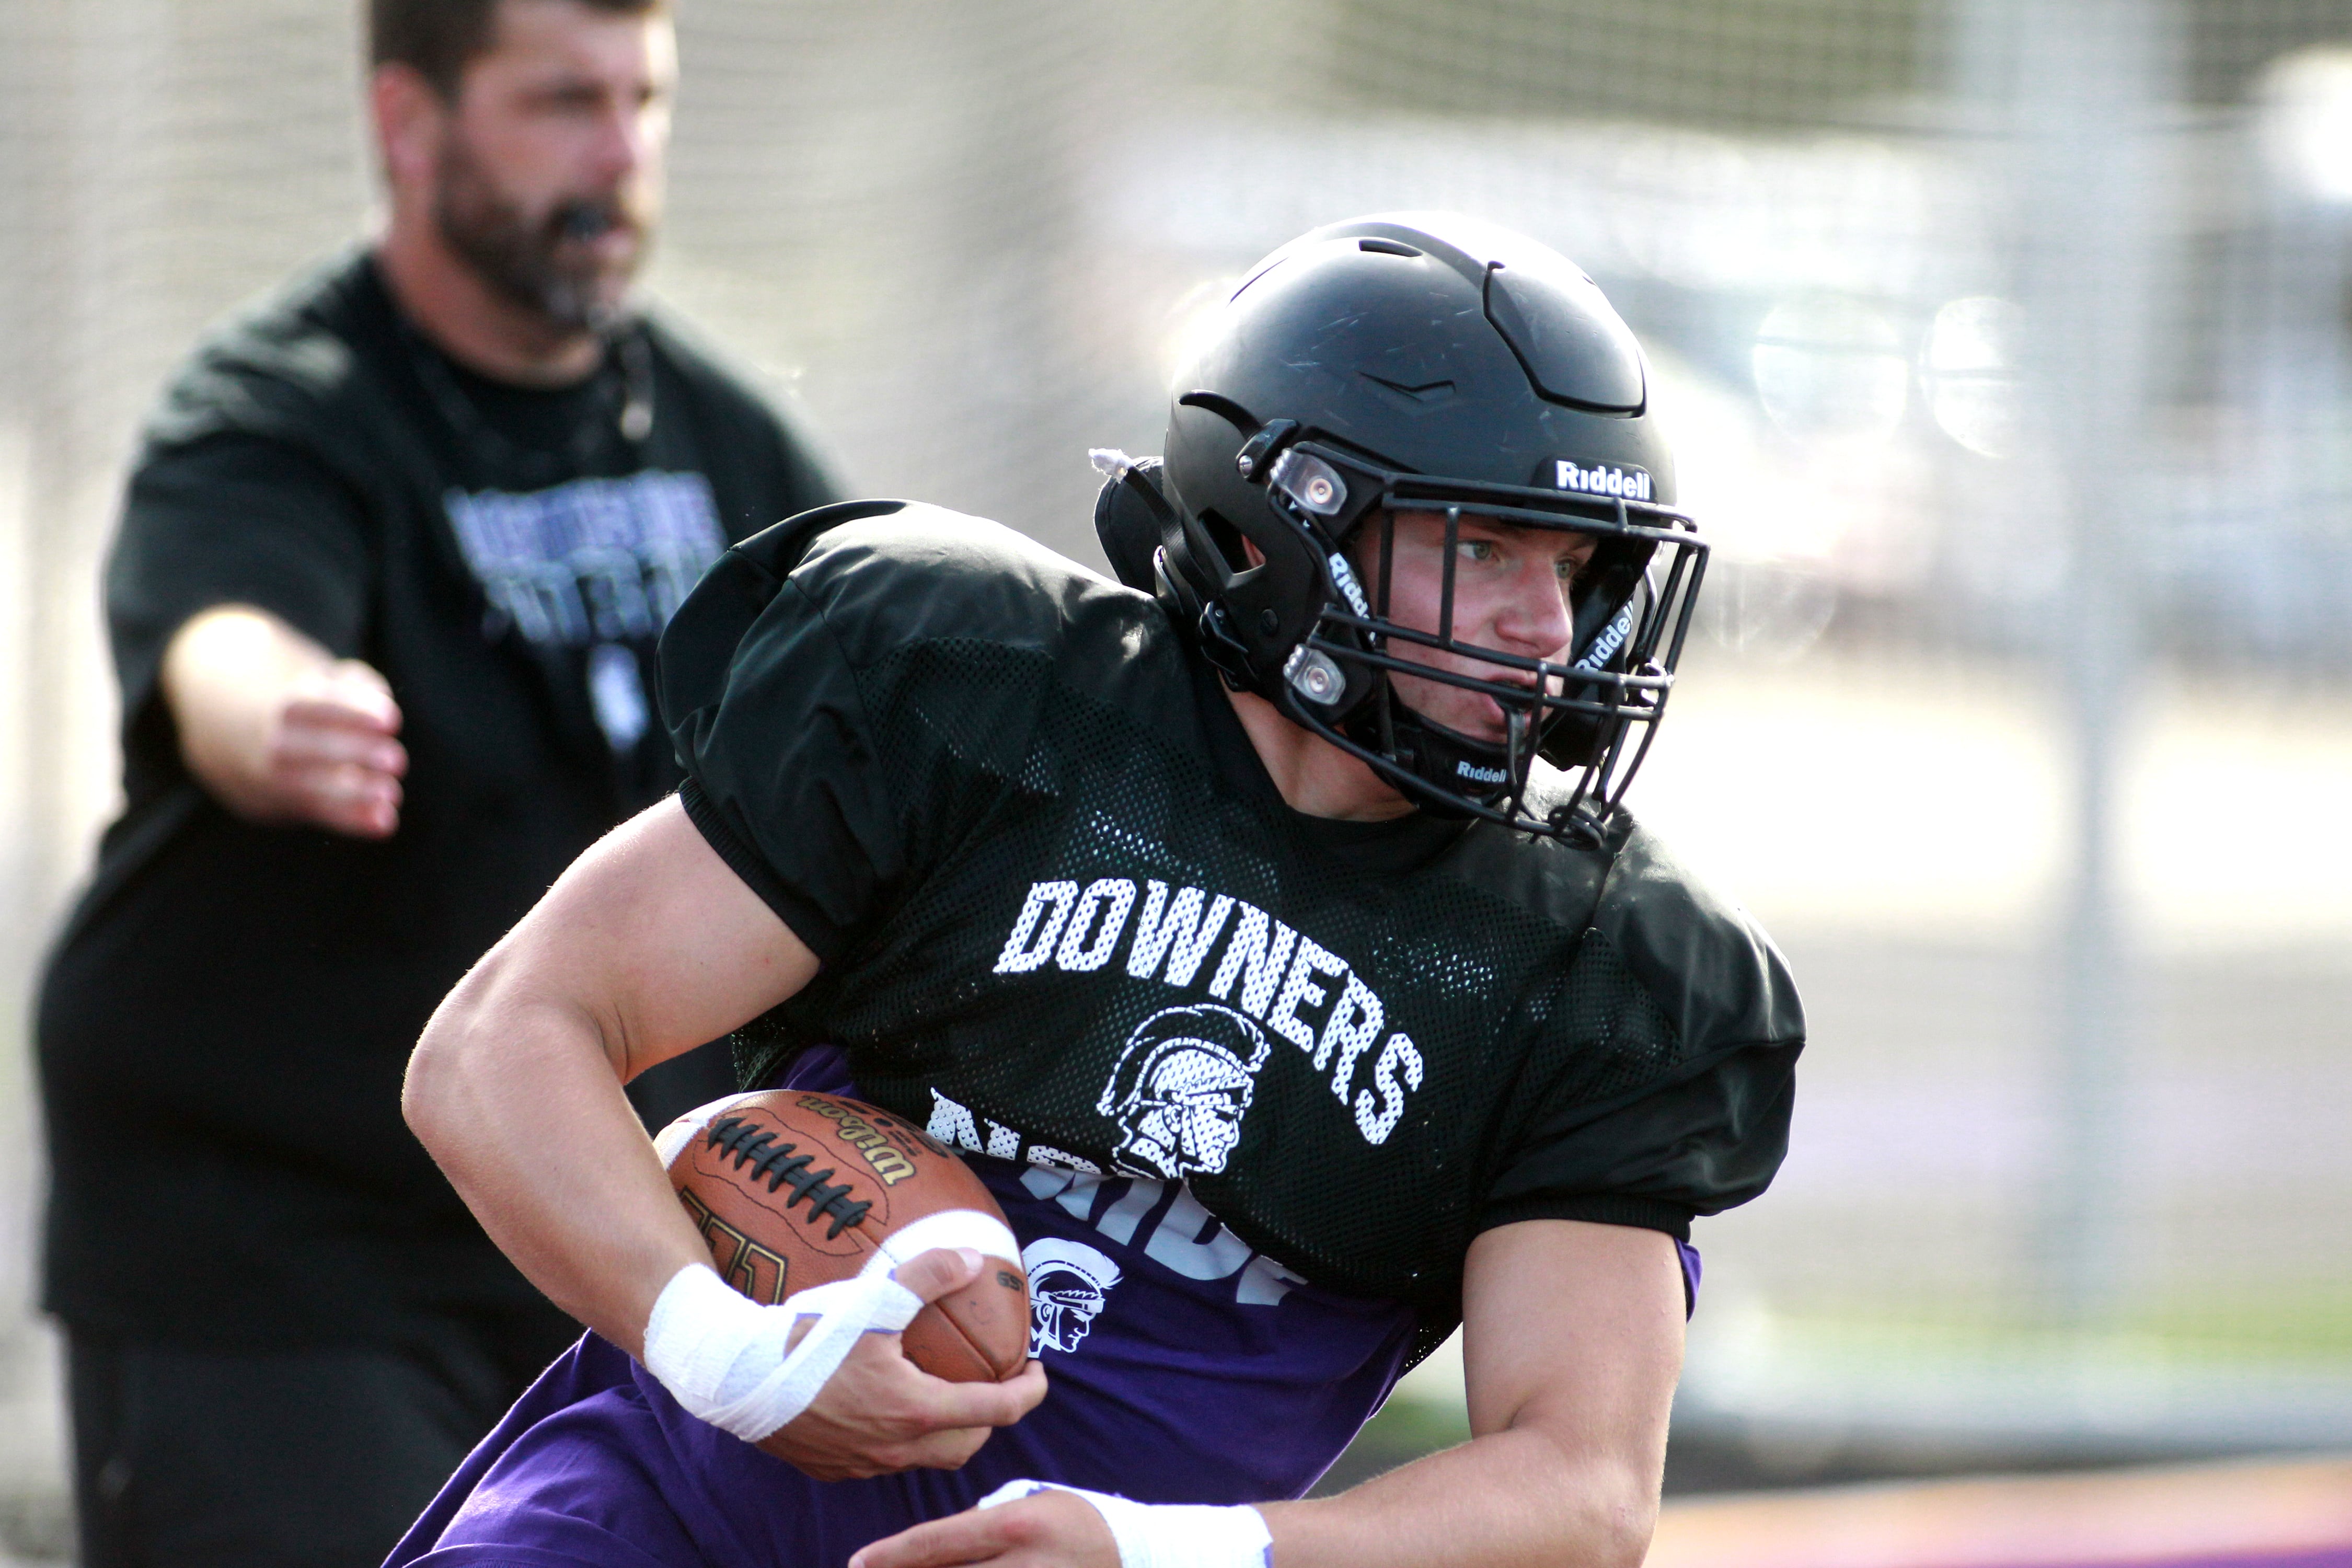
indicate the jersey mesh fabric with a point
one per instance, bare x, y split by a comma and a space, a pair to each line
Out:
981, 770
1096, 788
1600, 1000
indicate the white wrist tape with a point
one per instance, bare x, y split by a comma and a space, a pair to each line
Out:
722, 1355
1166, 1534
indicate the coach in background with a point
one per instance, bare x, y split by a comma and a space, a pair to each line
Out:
384, 605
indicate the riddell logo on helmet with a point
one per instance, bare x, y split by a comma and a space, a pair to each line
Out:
1472, 771
1601, 480
1612, 638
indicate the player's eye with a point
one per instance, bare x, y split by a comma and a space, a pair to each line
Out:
1475, 549
573, 98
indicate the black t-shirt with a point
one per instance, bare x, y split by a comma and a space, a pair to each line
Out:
223, 1024
1065, 917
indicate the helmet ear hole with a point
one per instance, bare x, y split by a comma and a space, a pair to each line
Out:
1228, 540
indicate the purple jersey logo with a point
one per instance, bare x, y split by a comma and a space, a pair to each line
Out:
1069, 1283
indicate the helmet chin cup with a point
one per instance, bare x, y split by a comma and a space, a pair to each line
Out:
1458, 775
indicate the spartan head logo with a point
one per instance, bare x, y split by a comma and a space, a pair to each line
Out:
1181, 1087
1068, 1282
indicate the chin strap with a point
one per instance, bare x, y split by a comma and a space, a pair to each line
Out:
1165, 1535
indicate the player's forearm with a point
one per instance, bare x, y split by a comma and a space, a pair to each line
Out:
645, 948
1517, 1499
517, 1098
1530, 1497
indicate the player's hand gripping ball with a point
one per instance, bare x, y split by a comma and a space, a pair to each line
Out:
793, 1189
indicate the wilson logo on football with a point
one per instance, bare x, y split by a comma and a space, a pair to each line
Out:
862, 1136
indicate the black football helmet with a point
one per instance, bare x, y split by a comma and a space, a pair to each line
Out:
1425, 363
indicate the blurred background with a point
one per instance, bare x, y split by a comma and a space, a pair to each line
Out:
2008, 351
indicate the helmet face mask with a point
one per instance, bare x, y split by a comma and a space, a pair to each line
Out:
1576, 710
1317, 471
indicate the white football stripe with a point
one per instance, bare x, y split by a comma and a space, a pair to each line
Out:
983, 1233
671, 1140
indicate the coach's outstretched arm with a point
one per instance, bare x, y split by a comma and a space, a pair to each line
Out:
278, 730
646, 947
1572, 1343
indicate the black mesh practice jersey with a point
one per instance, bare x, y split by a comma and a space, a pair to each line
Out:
1064, 916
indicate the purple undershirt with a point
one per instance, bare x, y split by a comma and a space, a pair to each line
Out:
1185, 1368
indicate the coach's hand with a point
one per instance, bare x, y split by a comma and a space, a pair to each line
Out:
331, 760
278, 730
878, 1413
1051, 1530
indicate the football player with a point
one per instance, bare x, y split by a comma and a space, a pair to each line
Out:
1334, 770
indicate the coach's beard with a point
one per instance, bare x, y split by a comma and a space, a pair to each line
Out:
547, 266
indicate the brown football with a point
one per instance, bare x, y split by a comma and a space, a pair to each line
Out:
794, 1189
